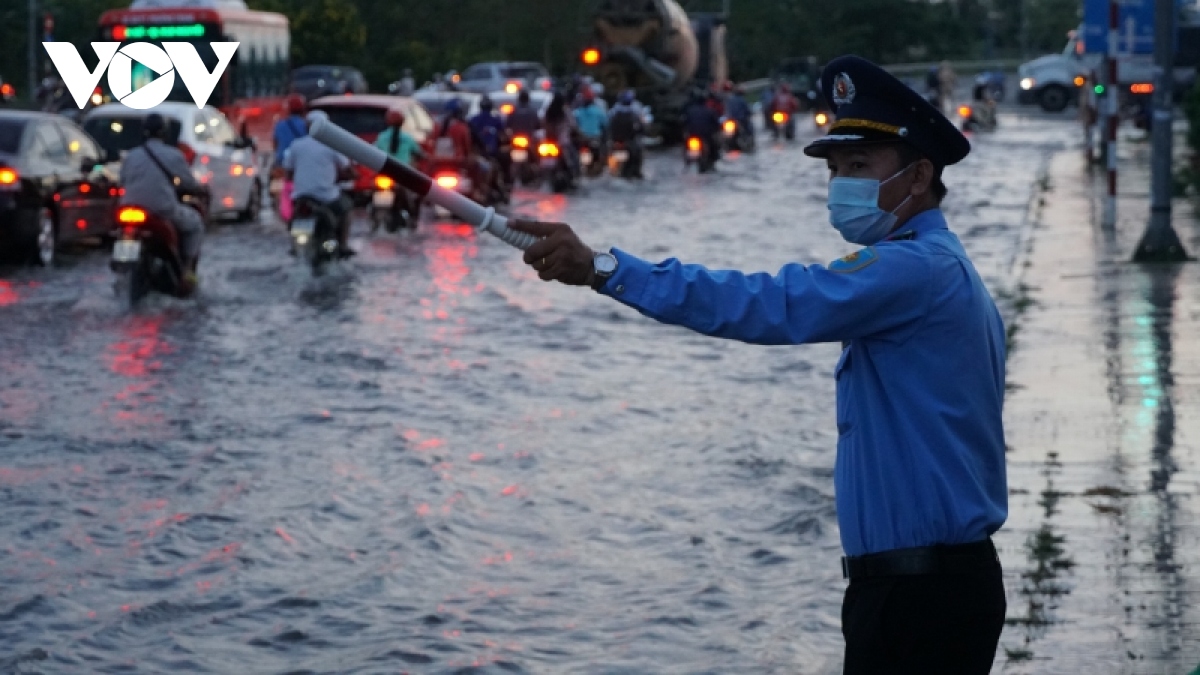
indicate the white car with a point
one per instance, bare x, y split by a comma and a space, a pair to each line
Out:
220, 159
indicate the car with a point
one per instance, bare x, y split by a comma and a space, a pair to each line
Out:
222, 161
317, 81
364, 116
505, 102
54, 188
482, 78
435, 101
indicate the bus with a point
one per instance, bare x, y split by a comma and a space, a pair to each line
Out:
252, 90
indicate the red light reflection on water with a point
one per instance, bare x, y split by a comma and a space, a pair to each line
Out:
550, 208
136, 355
8, 294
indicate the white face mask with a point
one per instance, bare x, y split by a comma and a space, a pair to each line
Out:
854, 209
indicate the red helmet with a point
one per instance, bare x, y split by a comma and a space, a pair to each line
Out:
395, 117
296, 104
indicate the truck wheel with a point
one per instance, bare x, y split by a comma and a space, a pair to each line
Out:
1054, 98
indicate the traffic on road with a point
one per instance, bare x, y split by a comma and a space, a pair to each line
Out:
267, 406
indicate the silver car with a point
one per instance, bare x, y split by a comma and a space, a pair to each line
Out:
222, 161
483, 78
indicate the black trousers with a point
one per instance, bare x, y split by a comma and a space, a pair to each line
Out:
929, 623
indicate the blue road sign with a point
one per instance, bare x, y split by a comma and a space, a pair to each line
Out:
1136, 32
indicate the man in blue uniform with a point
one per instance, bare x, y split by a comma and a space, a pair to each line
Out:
920, 475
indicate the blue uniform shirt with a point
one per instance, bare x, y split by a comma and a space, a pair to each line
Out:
920, 383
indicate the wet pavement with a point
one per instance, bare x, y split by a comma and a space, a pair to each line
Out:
1103, 538
431, 461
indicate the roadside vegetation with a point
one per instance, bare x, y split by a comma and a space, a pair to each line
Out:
1191, 173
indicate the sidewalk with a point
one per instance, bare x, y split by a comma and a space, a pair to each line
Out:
1102, 546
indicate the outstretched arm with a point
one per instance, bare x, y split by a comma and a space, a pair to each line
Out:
879, 290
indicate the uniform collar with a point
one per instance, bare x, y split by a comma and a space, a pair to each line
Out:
926, 221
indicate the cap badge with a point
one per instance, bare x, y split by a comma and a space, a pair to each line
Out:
843, 89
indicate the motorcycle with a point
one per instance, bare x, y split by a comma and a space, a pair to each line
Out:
145, 256
525, 167
392, 209
736, 136
620, 162
592, 157
699, 152
784, 121
314, 230
554, 164
980, 117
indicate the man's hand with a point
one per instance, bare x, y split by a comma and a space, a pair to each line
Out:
558, 255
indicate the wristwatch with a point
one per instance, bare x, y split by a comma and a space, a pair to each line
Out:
604, 265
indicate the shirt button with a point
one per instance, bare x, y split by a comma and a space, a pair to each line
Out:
620, 288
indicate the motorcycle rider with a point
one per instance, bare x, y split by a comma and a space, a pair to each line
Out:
592, 122
786, 103
737, 109
627, 124
768, 107
153, 176
561, 129
291, 127
524, 119
315, 169
455, 143
486, 129
701, 121
402, 147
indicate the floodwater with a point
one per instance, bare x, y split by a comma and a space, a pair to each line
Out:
431, 461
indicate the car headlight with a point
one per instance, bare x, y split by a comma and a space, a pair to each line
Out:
1027, 83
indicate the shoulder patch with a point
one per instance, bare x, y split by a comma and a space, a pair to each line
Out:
855, 261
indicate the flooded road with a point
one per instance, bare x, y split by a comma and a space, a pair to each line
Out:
430, 460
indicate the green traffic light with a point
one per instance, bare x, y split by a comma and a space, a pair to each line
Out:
1099, 90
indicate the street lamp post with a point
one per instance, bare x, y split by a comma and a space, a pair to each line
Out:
1159, 242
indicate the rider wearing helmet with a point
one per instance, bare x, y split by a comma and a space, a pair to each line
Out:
291, 127
454, 142
453, 135
402, 147
590, 117
523, 119
315, 169
397, 142
153, 176
486, 126
486, 130
736, 107
627, 124
785, 102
